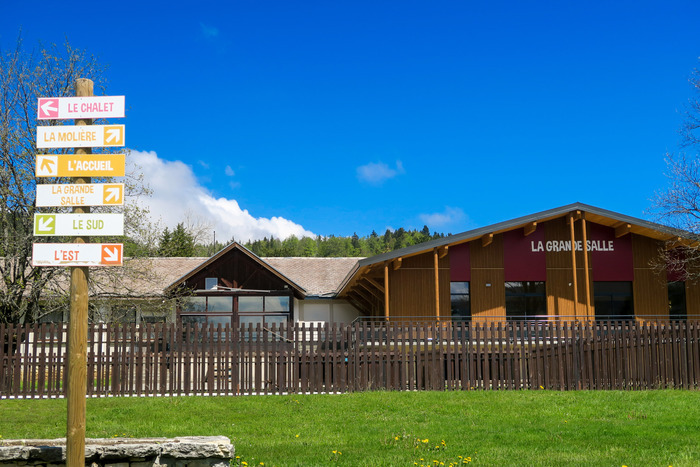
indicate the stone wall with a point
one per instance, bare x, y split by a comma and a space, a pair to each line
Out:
189, 451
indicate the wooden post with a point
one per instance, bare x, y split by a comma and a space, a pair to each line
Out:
386, 290
573, 263
437, 283
77, 329
585, 267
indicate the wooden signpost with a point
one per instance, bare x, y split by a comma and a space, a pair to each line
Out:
81, 194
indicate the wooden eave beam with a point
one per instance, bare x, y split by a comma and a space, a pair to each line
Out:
367, 296
396, 264
379, 286
373, 290
529, 228
622, 229
487, 239
359, 305
442, 251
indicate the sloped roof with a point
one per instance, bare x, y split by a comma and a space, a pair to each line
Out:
592, 213
318, 276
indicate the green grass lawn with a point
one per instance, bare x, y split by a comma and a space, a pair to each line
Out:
648, 428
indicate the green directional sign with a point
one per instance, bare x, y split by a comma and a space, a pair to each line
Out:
45, 224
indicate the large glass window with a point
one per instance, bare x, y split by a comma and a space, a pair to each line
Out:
613, 300
263, 309
526, 300
676, 300
460, 302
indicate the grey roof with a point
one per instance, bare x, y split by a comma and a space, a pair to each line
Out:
318, 276
644, 227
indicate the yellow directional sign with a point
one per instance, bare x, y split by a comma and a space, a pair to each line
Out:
79, 165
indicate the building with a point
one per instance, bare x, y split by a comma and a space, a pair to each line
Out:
524, 268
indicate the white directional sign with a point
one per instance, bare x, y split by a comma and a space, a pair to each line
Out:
53, 108
79, 136
79, 165
78, 224
77, 254
84, 194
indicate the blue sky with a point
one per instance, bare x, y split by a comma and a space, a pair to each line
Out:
339, 117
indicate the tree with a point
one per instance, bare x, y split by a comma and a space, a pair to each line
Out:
679, 205
24, 77
179, 243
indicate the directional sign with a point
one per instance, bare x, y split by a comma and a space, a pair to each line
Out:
75, 165
84, 194
77, 254
79, 224
82, 136
51, 108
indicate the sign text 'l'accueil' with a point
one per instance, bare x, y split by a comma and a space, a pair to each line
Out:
79, 136
56, 108
83, 194
80, 165
77, 254
78, 224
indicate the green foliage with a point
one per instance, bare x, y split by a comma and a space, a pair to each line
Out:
178, 243
539, 428
333, 246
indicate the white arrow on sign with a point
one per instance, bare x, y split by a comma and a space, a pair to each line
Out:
111, 254
45, 224
113, 193
48, 106
113, 135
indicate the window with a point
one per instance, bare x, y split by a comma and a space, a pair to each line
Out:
676, 300
613, 300
526, 300
210, 283
265, 310
460, 302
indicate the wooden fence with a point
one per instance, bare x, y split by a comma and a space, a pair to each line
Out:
172, 359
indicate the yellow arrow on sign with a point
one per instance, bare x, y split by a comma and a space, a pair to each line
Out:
75, 165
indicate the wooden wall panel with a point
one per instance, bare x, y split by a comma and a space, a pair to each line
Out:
650, 286
487, 268
560, 289
412, 287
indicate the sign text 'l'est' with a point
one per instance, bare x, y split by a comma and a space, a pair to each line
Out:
57, 108
78, 224
80, 165
77, 254
83, 194
79, 136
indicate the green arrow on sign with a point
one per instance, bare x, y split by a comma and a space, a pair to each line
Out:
45, 224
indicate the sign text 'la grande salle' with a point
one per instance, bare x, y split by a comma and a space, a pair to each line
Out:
79, 136
83, 194
565, 245
55, 108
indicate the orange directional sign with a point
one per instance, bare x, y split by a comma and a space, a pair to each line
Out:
74, 165
77, 254
84, 136
52, 108
84, 194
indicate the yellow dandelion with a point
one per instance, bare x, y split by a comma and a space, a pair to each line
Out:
296, 436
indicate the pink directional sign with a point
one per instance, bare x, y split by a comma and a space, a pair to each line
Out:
54, 108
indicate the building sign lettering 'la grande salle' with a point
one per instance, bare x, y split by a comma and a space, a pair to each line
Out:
565, 245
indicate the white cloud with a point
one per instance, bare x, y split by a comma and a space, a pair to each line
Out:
448, 217
176, 192
229, 171
376, 173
